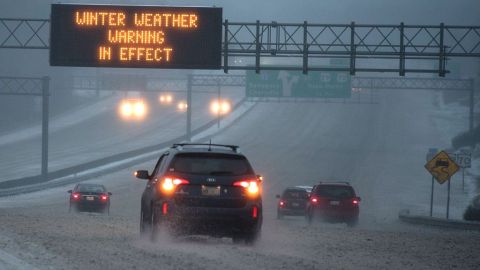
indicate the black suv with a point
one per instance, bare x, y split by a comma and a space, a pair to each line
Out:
333, 202
202, 189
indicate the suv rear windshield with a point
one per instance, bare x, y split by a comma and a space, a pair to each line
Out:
334, 191
295, 194
211, 164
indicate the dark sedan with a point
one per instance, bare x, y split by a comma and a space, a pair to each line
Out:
90, 198
293, 201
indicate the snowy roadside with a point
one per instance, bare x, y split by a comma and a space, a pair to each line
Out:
62, 121
8, 261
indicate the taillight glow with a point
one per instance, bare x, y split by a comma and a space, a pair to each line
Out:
76, 196
251, 186
178, 181
314, 200
168, 184
244, 184
355, 201
282, 203
103, 197
164, 209
255, 212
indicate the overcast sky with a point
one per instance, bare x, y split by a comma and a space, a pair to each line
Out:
460, 12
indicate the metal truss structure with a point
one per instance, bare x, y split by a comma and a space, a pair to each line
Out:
412, 83
307, 42
154, 84
350, 41
21, 86
215, 80
24, 33
32, 87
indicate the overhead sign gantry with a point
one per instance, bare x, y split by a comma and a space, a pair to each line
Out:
136, 36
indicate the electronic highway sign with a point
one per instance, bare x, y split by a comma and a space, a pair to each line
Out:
135, 36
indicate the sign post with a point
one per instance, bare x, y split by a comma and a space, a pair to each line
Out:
442, 167
430, 154
431, 198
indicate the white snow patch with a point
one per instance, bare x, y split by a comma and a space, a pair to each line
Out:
62, 121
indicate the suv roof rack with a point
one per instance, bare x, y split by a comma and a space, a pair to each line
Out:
301, 187
234, 148
334, 182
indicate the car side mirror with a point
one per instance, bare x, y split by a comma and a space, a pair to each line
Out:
359, 199
142, 174
110, 193
69, 191
277, 196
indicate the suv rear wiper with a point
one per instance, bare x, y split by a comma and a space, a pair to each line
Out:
221, 173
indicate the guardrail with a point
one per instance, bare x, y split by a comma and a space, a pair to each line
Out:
405, 216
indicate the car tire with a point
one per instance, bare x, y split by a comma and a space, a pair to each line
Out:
145, 221
309, 217
237, 239
352, 223
248, 238
155, 225
251, 237
106, 211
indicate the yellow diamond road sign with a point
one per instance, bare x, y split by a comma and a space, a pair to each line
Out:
442, 167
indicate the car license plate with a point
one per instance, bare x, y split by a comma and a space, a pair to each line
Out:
334, 202
90, 198
295, 204
211, 191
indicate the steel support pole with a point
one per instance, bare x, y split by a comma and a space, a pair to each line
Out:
402, 51
225, 48
189, 108
441, 56
448, 199
471, 110
305, 48
257, 48
45, 107
218, 100
431, 198
352, 49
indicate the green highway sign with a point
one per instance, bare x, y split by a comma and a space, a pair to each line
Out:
315, 84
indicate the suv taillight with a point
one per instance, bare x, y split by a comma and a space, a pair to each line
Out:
168, 184
251, 186
314, 200
76, 196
